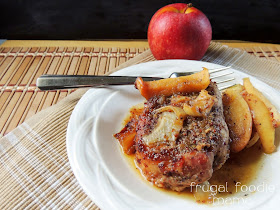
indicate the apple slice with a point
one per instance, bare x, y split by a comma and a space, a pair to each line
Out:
128, 132
252, 90
201, 106
254, 138
262, 120
238, 118
167, 87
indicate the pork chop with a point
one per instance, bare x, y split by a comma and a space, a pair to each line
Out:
188, 157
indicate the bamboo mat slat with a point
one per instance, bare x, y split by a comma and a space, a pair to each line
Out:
21, 66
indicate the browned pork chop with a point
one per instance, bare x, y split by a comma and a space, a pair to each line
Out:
201, 146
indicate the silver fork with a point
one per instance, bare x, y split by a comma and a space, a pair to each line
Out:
57, 82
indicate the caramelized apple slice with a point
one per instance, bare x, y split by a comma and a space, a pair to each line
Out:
252, 90
127, 134
126, 139
254, 138
201, 106
262, 120
186, 84
238, 118
178, 100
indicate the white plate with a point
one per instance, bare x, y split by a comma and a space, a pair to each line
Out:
103, 172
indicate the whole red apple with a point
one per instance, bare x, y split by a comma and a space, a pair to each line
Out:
179, 31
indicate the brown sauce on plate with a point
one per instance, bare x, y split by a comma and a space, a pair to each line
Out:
240, 169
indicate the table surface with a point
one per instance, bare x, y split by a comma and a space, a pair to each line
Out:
22, 61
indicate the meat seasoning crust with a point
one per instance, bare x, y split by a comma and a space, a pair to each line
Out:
201, 146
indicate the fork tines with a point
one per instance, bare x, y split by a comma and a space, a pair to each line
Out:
219, 69
222, 77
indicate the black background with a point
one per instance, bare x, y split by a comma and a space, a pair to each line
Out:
252, 20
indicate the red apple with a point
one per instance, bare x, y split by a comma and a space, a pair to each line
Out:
179, 31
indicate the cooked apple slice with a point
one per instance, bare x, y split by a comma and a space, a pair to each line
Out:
238, 118
185, 84
126, 139
127, 134
252, 90
262, 120
201, 106
254, 138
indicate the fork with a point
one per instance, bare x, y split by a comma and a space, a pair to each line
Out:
57, 82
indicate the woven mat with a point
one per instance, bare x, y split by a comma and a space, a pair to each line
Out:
20, 67
35, 172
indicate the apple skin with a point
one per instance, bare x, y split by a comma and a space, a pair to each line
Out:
179, 31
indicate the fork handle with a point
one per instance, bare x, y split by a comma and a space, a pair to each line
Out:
56, 82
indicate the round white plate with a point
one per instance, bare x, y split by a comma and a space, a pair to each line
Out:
106, 176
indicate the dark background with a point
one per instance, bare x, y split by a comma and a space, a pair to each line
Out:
252, 20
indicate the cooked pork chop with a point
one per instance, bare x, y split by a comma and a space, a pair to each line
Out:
200, 146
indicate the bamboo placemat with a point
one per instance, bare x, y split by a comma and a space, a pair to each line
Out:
35, 171
21, 66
